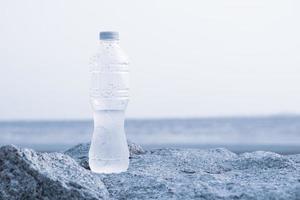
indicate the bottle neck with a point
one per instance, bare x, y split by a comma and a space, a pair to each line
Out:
109, 41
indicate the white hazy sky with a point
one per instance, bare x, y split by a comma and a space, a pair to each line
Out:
188, 58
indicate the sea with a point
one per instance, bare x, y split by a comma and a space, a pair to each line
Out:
280, 134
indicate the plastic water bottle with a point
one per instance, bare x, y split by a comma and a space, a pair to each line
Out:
109, 97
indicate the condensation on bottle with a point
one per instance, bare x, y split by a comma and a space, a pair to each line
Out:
109, 96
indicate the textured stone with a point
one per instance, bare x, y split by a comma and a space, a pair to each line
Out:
80, 152
156, 174
26, 174
135, 149
207, 174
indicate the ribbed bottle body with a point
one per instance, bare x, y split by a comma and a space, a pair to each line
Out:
109, 96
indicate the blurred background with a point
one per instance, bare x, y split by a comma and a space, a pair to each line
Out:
203, 73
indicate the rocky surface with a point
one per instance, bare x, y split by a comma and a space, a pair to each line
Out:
26, 174
156, 174
206, 174
80, 152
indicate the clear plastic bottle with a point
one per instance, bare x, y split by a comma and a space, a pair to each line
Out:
109, 97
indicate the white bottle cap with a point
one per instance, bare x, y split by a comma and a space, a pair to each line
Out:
109, 35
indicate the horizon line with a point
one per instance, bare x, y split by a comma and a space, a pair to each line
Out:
159, 118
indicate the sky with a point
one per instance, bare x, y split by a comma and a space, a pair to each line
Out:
187, 58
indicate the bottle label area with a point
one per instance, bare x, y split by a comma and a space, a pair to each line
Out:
110, 86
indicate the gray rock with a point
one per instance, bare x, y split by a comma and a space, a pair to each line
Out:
80, 152
135, 149
26, 174
207, 174
157, 174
